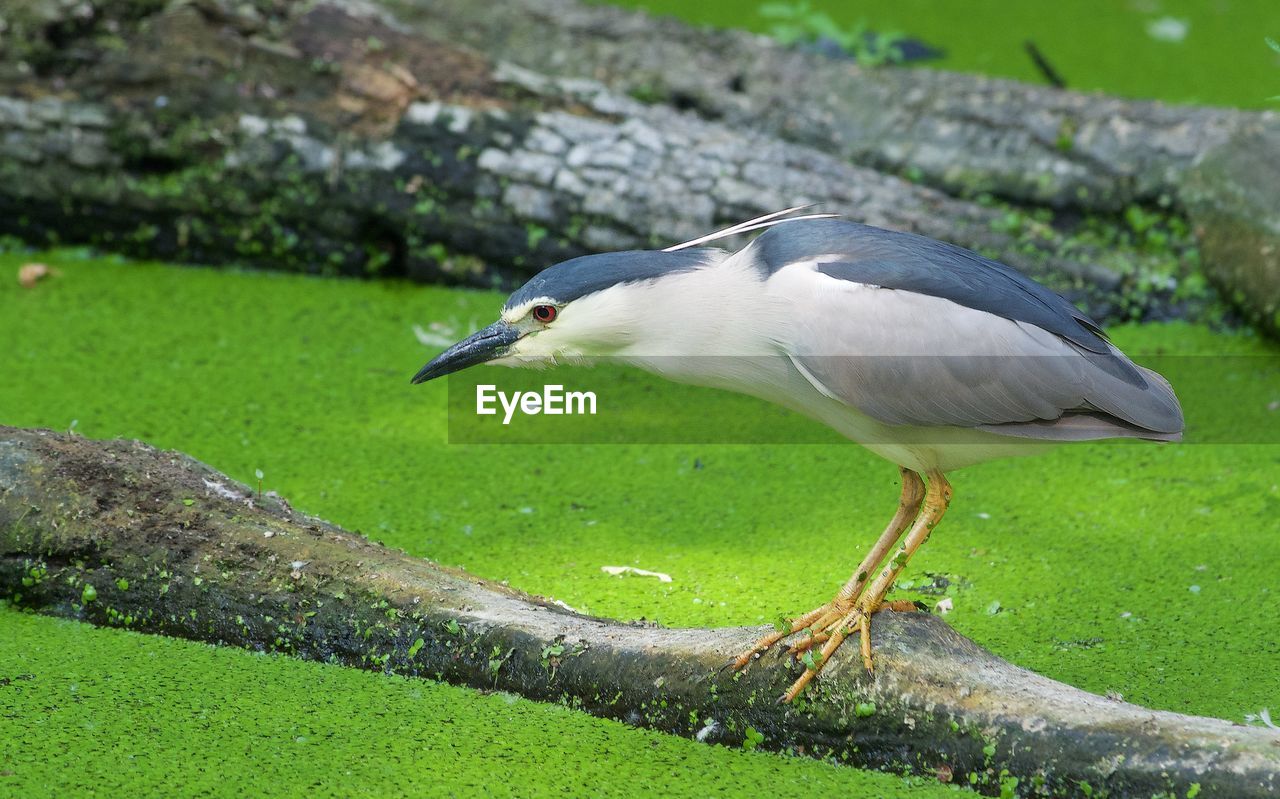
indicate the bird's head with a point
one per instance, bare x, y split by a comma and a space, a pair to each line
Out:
593, 306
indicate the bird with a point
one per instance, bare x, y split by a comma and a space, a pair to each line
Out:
926, 353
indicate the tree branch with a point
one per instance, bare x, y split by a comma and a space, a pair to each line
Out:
118, 533
963, 134
334, 141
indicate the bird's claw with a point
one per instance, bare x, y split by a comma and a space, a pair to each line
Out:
808, 642
855, 621
796, 625
828, 627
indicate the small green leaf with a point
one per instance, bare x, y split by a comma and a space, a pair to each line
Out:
1008, 786
1194, 790
416, 648
188, 502
752, 738
496, 659
88, 594
122, 584
552, 651
865, 709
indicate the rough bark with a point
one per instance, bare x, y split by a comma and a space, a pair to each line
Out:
335, 138
1233, 194
118, 533
964, 134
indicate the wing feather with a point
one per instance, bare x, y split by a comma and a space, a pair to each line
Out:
907, 358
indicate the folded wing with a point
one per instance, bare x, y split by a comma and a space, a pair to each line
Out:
915, 332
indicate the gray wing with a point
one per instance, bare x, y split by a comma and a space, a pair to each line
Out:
907, 357
908, 262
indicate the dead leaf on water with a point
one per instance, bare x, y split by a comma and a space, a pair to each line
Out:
618, 571
31, 274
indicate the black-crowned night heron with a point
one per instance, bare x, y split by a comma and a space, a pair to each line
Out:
926, 353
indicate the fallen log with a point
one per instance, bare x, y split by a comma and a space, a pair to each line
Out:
1036, 145
963, 134
336, 138
118, 533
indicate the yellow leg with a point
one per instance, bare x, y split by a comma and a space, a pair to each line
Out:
913, 492
937, 498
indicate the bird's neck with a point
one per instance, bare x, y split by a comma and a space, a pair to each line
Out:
712, 326
718, 310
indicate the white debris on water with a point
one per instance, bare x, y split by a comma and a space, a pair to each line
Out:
1263, 716
437, 336
1168, 29
564, 605
618, 571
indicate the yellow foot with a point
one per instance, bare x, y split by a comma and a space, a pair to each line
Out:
828, 626
820, 633
796, 625
855, 620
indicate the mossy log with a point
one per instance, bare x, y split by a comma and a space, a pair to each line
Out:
965, 133
336, 137
118, 533
1030, 145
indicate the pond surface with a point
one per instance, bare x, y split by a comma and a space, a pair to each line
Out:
1134, 569
1142, 570
1211, 52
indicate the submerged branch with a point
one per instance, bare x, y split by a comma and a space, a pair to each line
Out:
118, 533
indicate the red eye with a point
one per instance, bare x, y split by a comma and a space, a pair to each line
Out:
544, 313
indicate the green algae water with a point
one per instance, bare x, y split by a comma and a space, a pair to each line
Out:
1211, 52
89, 712
1115, 567
1137, 570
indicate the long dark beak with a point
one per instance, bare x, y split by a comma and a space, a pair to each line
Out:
483, 345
